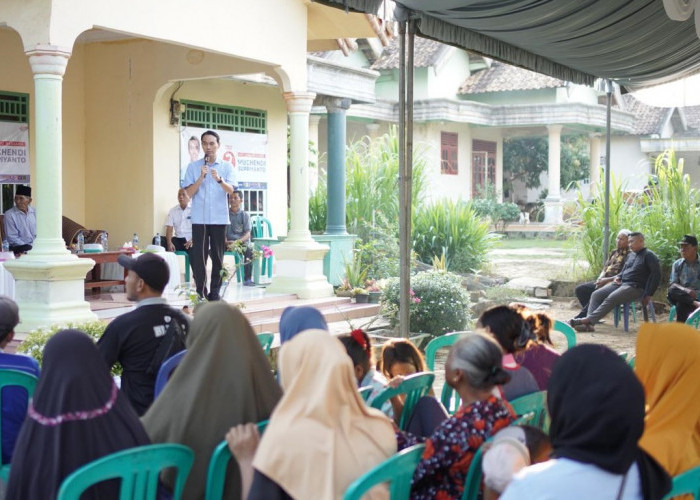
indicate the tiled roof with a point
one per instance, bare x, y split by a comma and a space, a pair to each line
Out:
648, 119
504, 77
692, 116
425, 53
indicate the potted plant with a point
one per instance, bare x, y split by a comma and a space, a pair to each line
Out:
361, 295
374, 290
344, 289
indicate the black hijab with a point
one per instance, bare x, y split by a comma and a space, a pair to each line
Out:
76, 416
596, 405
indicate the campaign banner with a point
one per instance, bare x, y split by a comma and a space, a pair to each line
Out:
246, 152
14, 153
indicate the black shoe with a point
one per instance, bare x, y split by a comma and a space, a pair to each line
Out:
213, 297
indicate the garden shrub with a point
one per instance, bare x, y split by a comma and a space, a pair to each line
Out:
36, 340
439, 303
455, 229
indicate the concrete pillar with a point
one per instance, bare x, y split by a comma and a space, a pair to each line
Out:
299, 259
313, 155
594, 143
335, 221
49, 279
552, 204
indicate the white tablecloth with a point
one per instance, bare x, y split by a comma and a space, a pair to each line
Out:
113, 271
7, 282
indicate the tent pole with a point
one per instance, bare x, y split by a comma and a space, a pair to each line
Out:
606, 235
404, 255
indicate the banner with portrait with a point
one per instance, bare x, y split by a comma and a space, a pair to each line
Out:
14, 153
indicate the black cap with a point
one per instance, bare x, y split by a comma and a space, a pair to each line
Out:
9, 314
689, 239
151, 268
24, 191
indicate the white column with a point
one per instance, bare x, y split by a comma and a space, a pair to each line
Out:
313, 156
594, 142
552, 204
49, 279
299, 259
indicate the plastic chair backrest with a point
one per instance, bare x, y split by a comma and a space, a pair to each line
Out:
138, 468
266, 339
261, 227
438, 342
216, 473
166, 369
472, 483
396, 470
14, 378
365, 392
672, 314
536, 403
568, 332
694, 319
414, 387
686, 483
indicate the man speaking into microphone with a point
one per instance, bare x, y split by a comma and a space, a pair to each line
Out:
208, 183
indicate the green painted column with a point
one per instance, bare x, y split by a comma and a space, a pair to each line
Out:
335, 221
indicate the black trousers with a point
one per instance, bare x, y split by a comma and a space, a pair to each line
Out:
179, 244
583, 294
20, 248
683, 302
211, 238
248, 266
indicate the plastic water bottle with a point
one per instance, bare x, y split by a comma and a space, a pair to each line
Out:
135, 241
5, 246
158, 240
81, 242
103, 242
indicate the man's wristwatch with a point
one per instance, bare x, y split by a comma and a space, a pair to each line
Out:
220, 180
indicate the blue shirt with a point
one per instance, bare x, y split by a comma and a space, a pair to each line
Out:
686, 274
20, 228
14, 401
210, 202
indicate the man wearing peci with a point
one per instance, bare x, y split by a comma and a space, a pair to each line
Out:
20, 222
208, 183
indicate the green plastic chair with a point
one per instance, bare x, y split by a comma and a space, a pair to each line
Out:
365, 392
535, 403
396, 470
138, 468
449, 398
187, 263
14, 378
262, 228
472, 483
414, 387
693, 320
266, 339
569, 333
686, 483
216, 473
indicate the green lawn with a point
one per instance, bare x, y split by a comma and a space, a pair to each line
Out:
513, 243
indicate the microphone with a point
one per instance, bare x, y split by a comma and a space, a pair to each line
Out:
206, 160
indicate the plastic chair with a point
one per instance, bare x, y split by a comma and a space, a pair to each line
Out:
472, 483
693, 320
239, 267
414, 387
187, 263
396, 470
449, 398
262, 228
216, 473
14, 378
625, 309
686, 483
535, 403
266, 339
569, 333
166, 369
138, 468
365, 392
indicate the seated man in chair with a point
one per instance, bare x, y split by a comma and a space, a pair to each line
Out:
239, 231
20, 222
685, 279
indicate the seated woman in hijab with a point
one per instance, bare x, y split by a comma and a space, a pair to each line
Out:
223, 380
322, 436
512, 332
667, 366
77, 415
597, 408
296, 319
473, 369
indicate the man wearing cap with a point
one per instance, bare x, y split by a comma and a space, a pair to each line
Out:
20, 222
208, 182
14, 399
142, 339
685, 279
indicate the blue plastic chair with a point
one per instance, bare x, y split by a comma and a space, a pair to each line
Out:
396, 470
166, 369
569, 333
138, 468
187, 264
14, 378
686, 483
265, 339
624, 310
216, 473
414, 387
